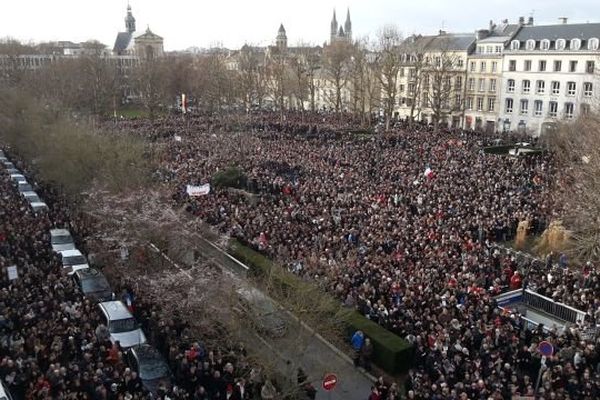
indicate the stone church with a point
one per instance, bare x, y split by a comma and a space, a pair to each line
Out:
145, 46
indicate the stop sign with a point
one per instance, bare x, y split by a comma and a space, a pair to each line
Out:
329, 382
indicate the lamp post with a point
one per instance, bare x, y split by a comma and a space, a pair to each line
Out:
506, 126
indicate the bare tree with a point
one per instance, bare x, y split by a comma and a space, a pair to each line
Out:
337, 59
439, 93
388, 65
413, 60
148, 81
278, 80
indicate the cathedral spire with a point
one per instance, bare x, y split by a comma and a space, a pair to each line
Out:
348, 25
334, 27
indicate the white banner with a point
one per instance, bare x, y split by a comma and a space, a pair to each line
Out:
12, 272
196, 191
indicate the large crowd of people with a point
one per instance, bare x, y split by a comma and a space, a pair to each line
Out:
53, 344
403, 226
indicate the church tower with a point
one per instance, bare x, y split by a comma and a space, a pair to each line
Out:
348, 26
334, 28
281, 40
129, 21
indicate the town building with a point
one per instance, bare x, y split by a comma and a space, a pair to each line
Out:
549, 73
484, 76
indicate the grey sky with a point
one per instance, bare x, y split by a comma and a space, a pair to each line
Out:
185, 23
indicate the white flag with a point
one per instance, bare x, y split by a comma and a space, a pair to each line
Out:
196, 191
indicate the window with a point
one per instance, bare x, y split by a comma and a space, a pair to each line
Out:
557, 65
571, 88
540, 87
471, 84
512, 65
508, 106
480, 104
482, 67
469, 103
401, 71
545, 44
457, 101
572, 66
538, 108
555, 87
560, 44
575, 44
526, 86
530, 44
515, 44
461, 63
401, 88
569, 108
553, 109
524, 107
491, 103
585, 108
458, 83
587, 89
492, 85
494, 66
527, 65
498, 49
589, 67
510, 87
473, 66
542, 66
593, 44
481, 84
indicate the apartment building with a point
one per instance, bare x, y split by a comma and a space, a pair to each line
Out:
484, 75
549, 73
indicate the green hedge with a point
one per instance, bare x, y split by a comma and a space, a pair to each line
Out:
391, 353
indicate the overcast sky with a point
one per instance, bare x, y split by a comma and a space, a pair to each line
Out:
202, 23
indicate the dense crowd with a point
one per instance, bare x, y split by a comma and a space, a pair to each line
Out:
403, 227
53, 344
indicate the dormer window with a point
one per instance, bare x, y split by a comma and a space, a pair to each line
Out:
515, 44
545, 44
560, 44
593, 44
575, 44
530, 45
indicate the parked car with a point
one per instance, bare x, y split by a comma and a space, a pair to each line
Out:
121, 324
151, 367
16, 178
73, 260
8, 164
32, 197
93, 284
12, 171
24, 187
39, 207
263, 313
61, 239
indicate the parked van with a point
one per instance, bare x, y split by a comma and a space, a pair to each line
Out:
121, 324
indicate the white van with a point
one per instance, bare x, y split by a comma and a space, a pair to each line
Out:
121, 324
73, 260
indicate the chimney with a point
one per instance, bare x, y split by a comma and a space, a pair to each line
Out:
482, 34
530, 21
491, 25
563, 19
521, 21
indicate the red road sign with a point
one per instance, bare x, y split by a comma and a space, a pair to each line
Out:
329, 382
546, 349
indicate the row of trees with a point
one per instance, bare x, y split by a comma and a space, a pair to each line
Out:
360, 77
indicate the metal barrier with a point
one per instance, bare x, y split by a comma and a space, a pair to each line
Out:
549, 306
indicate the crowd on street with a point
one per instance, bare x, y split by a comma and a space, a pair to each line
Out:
402, 226
53, 341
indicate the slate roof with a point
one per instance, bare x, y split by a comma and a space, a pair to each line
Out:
559, 31
122, 42
448, 41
